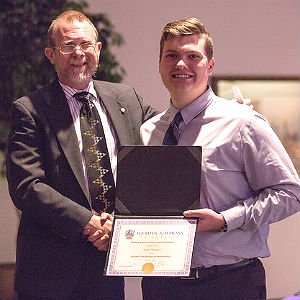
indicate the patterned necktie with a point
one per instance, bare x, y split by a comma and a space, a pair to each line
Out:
172, 134
100, 178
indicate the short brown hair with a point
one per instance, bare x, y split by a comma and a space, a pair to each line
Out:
188, 26
68, 16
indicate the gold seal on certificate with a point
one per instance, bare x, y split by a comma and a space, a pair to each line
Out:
147, 268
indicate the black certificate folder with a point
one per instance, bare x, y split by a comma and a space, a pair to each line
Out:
158, 180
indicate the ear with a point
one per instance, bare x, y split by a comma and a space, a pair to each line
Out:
98, 48
49, 52
159, 65
211, 66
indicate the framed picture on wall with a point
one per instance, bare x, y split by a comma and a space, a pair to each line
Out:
277, 98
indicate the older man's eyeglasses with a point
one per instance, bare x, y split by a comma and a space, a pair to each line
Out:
69, 49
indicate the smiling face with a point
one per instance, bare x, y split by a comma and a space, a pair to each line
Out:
75, 69
185, 68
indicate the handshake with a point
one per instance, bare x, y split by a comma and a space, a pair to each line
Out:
98, 230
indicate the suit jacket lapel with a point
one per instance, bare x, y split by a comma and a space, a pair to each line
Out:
118, 113
60, 118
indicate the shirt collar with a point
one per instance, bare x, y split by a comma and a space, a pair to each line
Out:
194, 108
69, 91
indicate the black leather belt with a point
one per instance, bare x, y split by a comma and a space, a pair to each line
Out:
210, 272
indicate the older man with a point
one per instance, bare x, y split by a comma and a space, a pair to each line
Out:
49, 168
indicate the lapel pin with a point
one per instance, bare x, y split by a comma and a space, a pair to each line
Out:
122, 109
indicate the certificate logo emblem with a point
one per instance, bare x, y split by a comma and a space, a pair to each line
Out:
129, 234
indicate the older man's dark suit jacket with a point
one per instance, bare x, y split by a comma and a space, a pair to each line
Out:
46, 183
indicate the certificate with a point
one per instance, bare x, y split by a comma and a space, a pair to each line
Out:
150, 236
151, 246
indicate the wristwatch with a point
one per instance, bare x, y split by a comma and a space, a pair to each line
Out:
225, 227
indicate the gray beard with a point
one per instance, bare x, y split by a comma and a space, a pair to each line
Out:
85, 77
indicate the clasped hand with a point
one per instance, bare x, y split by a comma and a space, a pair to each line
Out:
208, 219
98, 230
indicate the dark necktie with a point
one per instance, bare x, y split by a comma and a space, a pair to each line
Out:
172, 134
100, 178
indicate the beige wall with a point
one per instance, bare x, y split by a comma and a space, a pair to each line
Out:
8, 226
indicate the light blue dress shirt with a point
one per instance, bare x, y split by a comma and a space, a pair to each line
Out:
246, 175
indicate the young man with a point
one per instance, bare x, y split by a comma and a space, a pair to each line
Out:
47, 170
247, 180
